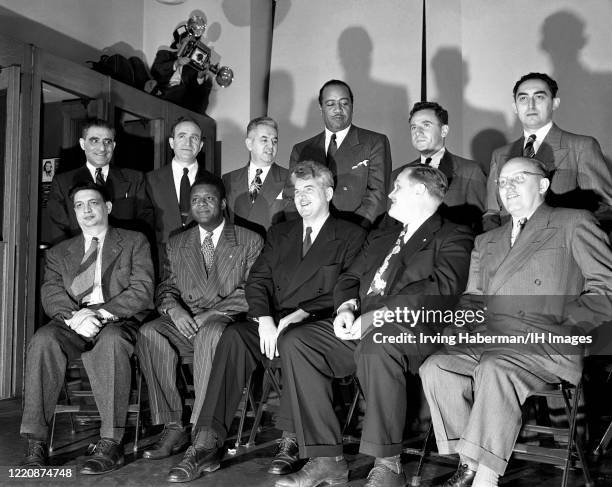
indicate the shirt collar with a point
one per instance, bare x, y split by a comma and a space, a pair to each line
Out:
435, 159
340, 135
253, 170
92, 170
316, 227
100, 238
178, 166
541, 133
216, 233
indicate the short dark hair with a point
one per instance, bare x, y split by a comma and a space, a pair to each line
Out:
552, 84
433, 179
210, 180
333, 82
181, 120
256, 122
312, 170
89, 185
96, 122
440, 112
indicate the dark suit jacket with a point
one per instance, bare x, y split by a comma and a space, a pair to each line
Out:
557, 274
187, 283
161, 191
464, 202
434, 262
269, 206
281, 281
582, 177
131, 206
363, 163
127, 275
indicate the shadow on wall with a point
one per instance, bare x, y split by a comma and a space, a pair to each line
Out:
485, 129
585, 95
239, 16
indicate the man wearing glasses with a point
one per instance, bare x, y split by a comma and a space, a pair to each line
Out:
580, 175
547, 270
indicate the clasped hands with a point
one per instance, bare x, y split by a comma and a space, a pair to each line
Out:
269, 332
189, 325
85, 322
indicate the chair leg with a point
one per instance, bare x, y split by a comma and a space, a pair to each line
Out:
52, 433
351, 411
574, 442
268, 382
605, 441
138, 403
248, 396
416, 478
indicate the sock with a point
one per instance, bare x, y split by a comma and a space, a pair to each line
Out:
287, 434
392, 463
174, 425
472, 464
206, 439
485, 477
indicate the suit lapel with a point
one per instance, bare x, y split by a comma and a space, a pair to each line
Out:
270, 188
551, 151
240, 189
447, 166
535, 234
111, 249
225, 256
74, 256
192, 251
346, 156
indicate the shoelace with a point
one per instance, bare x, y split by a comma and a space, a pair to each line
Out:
101, 447
285, 446
36, 449
460, 471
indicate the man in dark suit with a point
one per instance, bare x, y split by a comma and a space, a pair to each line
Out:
464, 202
359, 159
422, 265
549, 271
131, 206
169, 186
580, 175
97, 288
255, 192
205, 271
291, 283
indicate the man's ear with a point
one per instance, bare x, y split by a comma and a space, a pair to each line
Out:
171, 141
82, 143
444, 131
544, 185
109, 207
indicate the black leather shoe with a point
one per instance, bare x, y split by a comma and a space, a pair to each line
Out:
36, 455
171, 442
318, 471
106, 456
286, 459
463, 477
383, 476
195, 462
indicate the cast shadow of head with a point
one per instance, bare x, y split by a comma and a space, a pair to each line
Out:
378, 105
584, 93
485, 129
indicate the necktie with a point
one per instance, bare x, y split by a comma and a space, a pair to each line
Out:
307, 241
255, 186
99, 177
184, 195
516, 230
208, 250
428, 161
379, 283
331, 153
529, 151
83, 283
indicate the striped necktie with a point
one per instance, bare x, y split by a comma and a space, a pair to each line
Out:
208, 250
255, 186
83, 283
529, 150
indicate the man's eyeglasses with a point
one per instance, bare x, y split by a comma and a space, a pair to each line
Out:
519, 178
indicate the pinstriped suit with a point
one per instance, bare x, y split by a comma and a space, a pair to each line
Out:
187, 284
558, 272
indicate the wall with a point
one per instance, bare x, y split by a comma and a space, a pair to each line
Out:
374, 46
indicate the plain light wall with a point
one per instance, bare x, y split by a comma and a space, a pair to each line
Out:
374, 46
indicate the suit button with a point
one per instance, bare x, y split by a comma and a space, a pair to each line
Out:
190, 296
537, 282
319, 290
344, 188
521, 313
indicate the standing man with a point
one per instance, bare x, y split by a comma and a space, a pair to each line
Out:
547, 270
290, 284
464, 202
169, 186
422, 265
580, 175
359, 159
203, 290
126, 188
98, 287
255, 192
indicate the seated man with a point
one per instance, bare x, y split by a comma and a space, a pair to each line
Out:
409, 266
205, 272
546, 271
290, 283
98, 286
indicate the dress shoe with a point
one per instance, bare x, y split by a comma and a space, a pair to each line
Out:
36, 455
463, 477
382, 476
171, 442
106, 456
195, 462
286, 459
319, 470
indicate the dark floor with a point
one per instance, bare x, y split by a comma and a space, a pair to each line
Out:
247, 467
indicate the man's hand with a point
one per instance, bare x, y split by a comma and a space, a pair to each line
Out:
343, 323
297, 316
182, 61
210, 314
267, 337
88, 327
183, 321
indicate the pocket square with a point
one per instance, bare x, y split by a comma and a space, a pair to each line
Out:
362, 163
280, 195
